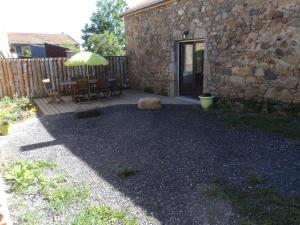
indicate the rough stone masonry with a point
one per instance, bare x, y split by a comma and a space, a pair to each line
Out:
252, 47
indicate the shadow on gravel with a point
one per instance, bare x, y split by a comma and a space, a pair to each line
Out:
177, 151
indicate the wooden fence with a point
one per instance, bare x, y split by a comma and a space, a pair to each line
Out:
23, 77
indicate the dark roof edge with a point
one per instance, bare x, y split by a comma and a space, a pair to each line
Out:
145, 6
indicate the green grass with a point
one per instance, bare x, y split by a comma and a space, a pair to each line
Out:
217, 180
58, 196
125, 172
286, 126
27, 217
103, 215
62, 196
260, 206
254, 180
16, 109
20, 175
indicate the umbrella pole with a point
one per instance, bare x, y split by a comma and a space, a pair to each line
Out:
88, 78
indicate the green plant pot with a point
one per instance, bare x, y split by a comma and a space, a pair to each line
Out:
206, 102
4, 129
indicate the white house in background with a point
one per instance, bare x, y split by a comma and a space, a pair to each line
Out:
4, 45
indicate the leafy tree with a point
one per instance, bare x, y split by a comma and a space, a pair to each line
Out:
27, 52
73, 47
107, 23
106, 44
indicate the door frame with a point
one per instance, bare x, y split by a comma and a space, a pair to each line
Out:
177, 59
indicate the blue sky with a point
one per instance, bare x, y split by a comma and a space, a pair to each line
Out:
47, 16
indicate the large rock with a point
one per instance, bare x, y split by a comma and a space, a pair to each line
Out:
149, 103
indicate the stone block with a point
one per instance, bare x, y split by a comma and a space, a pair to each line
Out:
149, 103
285, 96
270, 75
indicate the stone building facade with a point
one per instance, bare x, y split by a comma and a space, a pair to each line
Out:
252, 48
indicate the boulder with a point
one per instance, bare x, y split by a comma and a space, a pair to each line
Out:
149, 103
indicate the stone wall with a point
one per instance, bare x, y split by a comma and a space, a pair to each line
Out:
252, 47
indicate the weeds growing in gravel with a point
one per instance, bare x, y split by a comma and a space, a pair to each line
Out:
65, 195
216, 180
254, 180
260, 206
16, 109
125, 172
287, 126
27, 217
22, 174
102, 215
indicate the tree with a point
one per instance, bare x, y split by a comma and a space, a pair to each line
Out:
73, 47
27, 52
106, 44
106, 21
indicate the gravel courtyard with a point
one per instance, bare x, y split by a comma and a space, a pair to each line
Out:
177, 151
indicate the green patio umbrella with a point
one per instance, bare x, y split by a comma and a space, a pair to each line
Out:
86, 59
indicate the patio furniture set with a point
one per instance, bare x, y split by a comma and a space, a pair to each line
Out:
83, 90
86, 89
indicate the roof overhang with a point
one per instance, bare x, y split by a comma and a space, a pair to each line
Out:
146, 6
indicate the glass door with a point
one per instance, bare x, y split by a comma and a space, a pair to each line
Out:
191, 69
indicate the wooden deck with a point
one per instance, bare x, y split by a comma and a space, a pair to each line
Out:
129, 97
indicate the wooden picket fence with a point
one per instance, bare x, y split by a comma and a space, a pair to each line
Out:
23, 77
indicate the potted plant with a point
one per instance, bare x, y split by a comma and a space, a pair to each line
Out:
4, 127
206, 100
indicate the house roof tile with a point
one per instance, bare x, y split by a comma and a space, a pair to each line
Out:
38, 38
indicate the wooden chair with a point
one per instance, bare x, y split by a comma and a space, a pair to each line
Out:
102, 87
82, 90
54, 96
117, 86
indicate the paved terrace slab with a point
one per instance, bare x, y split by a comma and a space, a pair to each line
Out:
129, 97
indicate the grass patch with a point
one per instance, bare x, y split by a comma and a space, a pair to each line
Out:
22, 174
260, 206
102, 215
65, 195
217, 180
34, 178
16, 109
27, 217
125, 172
254, 180
287, 126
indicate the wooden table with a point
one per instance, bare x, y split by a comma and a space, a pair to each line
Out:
70, 84
92, 81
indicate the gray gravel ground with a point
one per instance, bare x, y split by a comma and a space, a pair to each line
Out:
178, 150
